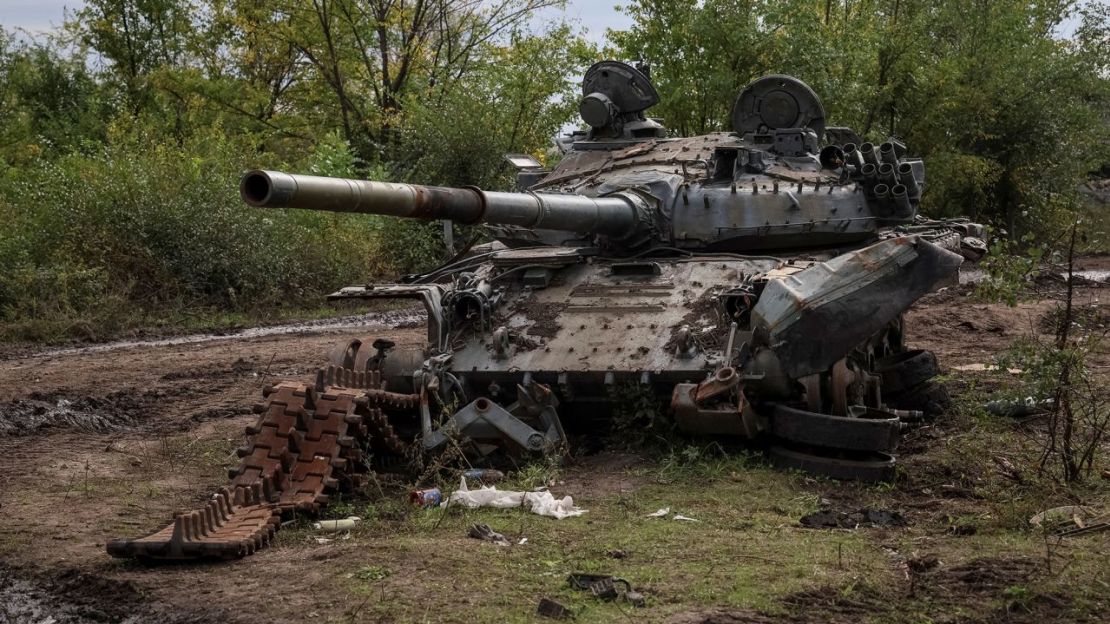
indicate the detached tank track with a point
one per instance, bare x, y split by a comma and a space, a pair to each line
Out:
308, 441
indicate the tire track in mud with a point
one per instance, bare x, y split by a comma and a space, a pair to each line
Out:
394, 319
77, 389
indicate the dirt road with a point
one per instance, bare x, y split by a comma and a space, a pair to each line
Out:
108, 442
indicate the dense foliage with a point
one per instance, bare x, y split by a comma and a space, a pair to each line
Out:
1010, 115
124, 132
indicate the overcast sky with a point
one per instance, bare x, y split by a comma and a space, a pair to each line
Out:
594, 16
43, 15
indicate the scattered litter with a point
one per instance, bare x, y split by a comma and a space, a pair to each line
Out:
1070, 521
618, 554
540, 502
963, 529
523, 541
548, 608
429, 497
600, 585
1008, 469
484, 532
1019, 408
665, 511
484, 475
606, 587
1067, 513
832, 519
1095, 527
1106, 474
980, 368
346, 524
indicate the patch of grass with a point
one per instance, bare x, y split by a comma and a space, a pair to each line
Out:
743, 551
530, 476
370, 573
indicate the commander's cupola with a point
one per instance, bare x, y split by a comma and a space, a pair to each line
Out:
614, 98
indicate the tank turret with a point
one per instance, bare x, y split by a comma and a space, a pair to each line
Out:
781, 180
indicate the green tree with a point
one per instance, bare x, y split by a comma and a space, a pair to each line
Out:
1009, 116
50, 104
369, 55
136, 38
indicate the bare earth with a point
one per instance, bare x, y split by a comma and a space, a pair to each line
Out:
106, 444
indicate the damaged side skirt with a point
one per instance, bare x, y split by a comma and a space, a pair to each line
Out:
813, 317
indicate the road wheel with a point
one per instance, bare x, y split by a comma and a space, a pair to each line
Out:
877, 431
905, 370
930, 398
866, 467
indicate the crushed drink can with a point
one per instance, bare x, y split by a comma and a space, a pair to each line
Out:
429, 497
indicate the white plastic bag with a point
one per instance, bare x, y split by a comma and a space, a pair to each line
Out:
542, 503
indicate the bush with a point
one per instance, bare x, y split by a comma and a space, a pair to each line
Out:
151, 226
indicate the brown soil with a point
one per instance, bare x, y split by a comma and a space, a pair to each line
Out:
940, 594
109, 443
70, 596
961, 332
136, 437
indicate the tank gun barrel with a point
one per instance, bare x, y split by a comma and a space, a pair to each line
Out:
619, 216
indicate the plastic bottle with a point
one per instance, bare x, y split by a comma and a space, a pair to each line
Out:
484, 475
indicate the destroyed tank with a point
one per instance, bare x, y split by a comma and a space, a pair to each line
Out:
752, 283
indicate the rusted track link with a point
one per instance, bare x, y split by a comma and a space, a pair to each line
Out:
307, 441
233, 524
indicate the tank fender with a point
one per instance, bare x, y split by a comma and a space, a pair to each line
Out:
816, 316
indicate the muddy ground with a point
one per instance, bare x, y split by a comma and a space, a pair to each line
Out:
108, 442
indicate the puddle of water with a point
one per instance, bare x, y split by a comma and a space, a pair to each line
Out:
91, 414
70, 597
392, 319
22, 601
